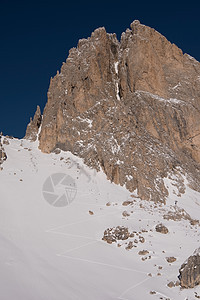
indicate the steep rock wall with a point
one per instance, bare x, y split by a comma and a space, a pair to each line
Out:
130, 107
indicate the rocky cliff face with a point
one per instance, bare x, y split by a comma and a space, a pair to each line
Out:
130, 107
190, 271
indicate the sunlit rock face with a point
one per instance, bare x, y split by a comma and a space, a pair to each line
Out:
190, 271
130, 107
34, 125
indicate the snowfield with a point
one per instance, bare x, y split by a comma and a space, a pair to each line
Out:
57, 253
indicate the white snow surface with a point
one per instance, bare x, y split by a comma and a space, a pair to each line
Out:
116, 67
57, 253
117, 83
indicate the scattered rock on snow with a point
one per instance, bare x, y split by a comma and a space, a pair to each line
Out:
161, 228
130, 245
141, 239
57, 151
170, 259
180, 214
113, 234
143, 252
171, 284
126, 203
125, 214
196, 295
194, 222
5, 142
177, 283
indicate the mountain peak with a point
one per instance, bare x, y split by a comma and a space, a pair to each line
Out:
128, 107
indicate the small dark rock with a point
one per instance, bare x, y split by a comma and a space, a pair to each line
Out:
170, 259
171, 284
162, 229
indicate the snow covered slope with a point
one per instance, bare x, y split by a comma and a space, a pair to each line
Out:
57, 253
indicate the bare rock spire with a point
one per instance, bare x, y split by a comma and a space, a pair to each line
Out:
34, 125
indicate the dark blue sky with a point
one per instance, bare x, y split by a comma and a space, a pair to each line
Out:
35, 37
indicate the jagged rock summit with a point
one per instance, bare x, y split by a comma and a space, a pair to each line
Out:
130, 107
34, 125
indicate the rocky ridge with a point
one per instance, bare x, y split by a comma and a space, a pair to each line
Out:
129, 107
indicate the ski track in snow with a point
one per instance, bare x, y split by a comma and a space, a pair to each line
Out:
80, 240
63, 254
132, 287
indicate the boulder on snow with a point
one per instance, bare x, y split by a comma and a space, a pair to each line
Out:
143, 252
162, 229
171, 259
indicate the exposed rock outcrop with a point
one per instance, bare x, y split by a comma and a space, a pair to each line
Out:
3, 155
128, 107
112, 235
190, 271
34, 125
162, 229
